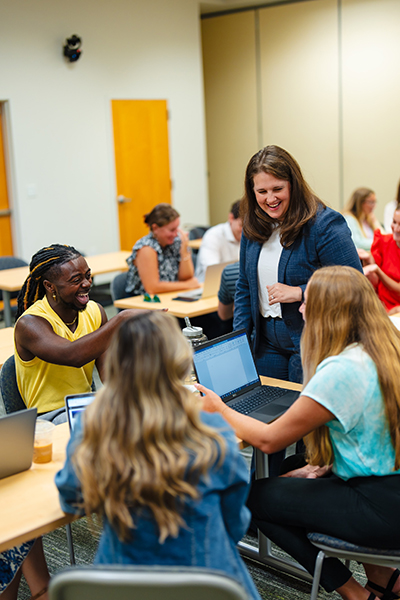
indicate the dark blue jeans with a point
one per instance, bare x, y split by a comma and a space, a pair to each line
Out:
276, 355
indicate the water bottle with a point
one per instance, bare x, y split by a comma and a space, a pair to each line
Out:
195, 337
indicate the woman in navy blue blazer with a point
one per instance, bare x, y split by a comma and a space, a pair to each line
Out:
288, 233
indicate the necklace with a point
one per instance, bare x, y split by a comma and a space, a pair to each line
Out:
72, 322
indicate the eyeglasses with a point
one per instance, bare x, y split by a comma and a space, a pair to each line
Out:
148, 298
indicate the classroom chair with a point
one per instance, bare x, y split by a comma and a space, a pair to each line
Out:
194, 234
331, 546
12, 399
118, 285
103, 582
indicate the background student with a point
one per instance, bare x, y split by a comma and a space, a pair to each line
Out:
161, 260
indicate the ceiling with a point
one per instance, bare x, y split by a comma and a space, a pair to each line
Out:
220, 6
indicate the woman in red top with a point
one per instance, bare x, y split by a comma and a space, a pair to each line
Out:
385, 273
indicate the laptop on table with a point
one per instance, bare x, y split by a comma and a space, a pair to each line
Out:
17, 433
75, 404
212, 281
226, 366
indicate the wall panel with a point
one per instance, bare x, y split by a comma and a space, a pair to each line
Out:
231, 106
299, 74
371, 92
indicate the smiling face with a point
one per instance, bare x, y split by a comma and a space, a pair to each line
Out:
166, 234
72, 284
396, 227
369, 204
272, 195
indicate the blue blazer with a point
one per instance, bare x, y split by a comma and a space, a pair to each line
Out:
324, 241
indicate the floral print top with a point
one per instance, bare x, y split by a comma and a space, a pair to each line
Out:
169, 259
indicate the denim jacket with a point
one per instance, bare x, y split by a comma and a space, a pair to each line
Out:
215, 521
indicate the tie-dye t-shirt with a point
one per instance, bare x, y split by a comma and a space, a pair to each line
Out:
347, 385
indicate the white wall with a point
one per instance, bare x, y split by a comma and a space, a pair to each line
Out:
59, 114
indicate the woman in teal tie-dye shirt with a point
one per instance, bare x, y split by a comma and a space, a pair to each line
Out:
349, 411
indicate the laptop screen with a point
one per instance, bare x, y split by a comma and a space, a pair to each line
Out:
225, 365
75, 404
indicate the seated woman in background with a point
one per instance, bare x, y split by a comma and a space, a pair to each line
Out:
349, 410
359, 214
167, 479
384, 274
161, 261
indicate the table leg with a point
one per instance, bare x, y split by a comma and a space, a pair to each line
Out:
263, 553
7, 308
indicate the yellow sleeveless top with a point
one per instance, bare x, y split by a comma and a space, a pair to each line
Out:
44, 385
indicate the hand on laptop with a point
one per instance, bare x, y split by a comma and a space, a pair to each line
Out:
211, 401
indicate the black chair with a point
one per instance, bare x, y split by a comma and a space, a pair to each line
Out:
197, 232
12, 399
118, 285
330, 546
194, 234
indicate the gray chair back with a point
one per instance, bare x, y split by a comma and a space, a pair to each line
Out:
147, 583
8, 387
331, 546
118, 285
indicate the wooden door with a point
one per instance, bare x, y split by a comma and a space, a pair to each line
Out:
6, 245
141, 163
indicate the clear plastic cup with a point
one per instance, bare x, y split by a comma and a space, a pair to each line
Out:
43, 444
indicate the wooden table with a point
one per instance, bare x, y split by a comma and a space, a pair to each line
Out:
175, 307
6, 344
12, 280
195, 244
29, 503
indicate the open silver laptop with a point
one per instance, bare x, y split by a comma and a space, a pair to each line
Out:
17, 432
212, 281
226, 366
75, 404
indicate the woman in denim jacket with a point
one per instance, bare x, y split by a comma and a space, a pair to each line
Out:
167, 479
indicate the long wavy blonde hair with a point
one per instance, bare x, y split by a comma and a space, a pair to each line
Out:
342, 308
144, 444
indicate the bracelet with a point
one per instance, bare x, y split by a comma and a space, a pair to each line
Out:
187, 257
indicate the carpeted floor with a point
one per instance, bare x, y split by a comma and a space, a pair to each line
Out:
271, 583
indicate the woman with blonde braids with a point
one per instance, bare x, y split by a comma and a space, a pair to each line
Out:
167, 479
349, 411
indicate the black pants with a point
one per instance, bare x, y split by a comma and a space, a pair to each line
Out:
362, 510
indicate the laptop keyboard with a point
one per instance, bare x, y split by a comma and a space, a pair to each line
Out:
263, 396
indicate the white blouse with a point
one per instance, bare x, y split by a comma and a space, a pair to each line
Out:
267, 271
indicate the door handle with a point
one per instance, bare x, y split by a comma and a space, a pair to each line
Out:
121, 199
